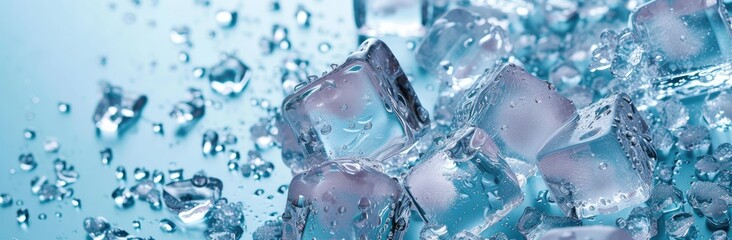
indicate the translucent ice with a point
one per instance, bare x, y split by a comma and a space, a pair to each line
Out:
717, 111
710, 199
641, 223
117, 109
229, 77
366, 107
192, 199
680, 225
689, 37
464, 184
588, 232
602, 161
665, 198
345, 199
519, 111
97, 227
188, 112
532, 223
406, 18
226, 221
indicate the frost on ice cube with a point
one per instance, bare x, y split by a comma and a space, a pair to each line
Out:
464, 184
117, 109
519, 111
364, 108
586, 232
690, 37
406, 18
345, 200
602, 161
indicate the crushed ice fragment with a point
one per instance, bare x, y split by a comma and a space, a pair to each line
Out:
586, 232
64, 107
710, 199
166, 225
302, 16
230, 76
225, 221
96, 228
693, 138
180, 35
269, 230
665, 198
255, 166
6, 200
106, 155
27, 161
22, 216
680, 225
117, 109
532, 223
29, 134
147, 191
192, 199
226, 19
210, 142
188, 112
51, 145
717, 111
123, 198
641, 223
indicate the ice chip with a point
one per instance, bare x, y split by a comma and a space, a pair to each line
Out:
192, 199
665, 198
365, 107
345, 199
188, 112
587, 232
405, 18
117, 109
680, 225
464, 184
641, 223
533, 224
226, 221
519, 111
97, 227
602, 161
229, 77
710, 199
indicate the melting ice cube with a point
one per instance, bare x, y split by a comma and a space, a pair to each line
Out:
366, 107
464, 184
602, 161
193, 198
345, 199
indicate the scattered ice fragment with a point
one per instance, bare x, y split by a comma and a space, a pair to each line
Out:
192, 199
610, 131
123, 198
29, 134
663, 140
230, 76
710, 199
693, 138
147, 191
22, 216
665, 198
717, 111
180, 35
707, 168
64, 107
210, 143
120, 173
376, 18
27, 162
674, 114
255, 166
680, 225
166, 225
158, 177
117, 109
302, 16
6, 200
42, 216
378, 210
76, 203
719, 235
175, 174
106, 155
532, 223
374, 90
641, 223
51, 145
295, 71
46, 191
586, 232
226, 19
269, 230
519, 111
324, 47
188, 112
96, 228
158, 128
225, 221
464, 184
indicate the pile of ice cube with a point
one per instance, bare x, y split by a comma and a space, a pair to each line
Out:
371, 155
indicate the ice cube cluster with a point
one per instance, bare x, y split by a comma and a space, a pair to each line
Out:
453, 119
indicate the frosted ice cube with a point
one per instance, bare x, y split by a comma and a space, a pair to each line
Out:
587, 232
345, 199
533, 224
366, 108
464, 184
519, 111
665, 198
641, 223
117, 109
689, 36
602, 161
406, 18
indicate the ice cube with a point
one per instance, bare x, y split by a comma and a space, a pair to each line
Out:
710, 199
464, 184
461, 44
229, 77
519, 111
366, 108
690, 37
602, 161
641, 223
406, 18
587, 232
681, 225
192, 199
345, 199
532, 223
117, 109
188, 112
665, 198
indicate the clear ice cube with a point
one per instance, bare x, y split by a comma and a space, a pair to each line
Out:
533, 223
602, 161
586, 232
366, 107
519, 111
229, 77
464, 184
406, 18
345, 199
192, 199
690, 37
117, 109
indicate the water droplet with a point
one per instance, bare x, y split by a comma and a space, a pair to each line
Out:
158, 128
167, 225
136, 225
230, 76
226, 19
184, 57
27, 162
106, 155
6, 200
42, 216
324, 47
302, 16
259, 192
22, 216
180, 35
603, 166
51, 145
325, 129
64, 107
29, 134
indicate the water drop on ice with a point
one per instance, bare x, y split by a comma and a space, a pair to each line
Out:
324, 47
226, 19
29, 134
106, 155
302, 16
64, 107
